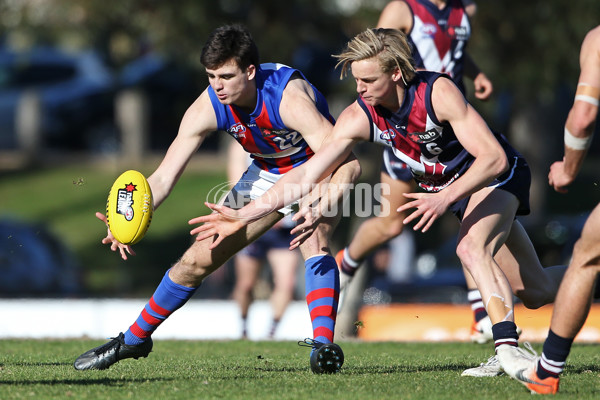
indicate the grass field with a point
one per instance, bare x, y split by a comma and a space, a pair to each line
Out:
273, 370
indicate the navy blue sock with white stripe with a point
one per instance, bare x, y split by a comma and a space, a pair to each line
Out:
555, 353
505, 332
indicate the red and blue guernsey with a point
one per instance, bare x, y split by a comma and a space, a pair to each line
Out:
273, 146
429, 147
439, 37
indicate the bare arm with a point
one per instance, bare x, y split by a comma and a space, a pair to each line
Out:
198, 121
396, 15
483, 86
475, 136
581, 121
335, 152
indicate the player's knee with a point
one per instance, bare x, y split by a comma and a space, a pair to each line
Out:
533, 302
189, 266
468, 252
394, 229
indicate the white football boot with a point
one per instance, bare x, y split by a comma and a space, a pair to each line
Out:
513, 359
490, 368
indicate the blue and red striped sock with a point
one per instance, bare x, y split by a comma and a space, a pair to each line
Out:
168, 297
322, 283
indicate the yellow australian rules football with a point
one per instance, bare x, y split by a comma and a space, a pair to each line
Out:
129, 207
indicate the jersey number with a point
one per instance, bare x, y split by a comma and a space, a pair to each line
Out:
287, 141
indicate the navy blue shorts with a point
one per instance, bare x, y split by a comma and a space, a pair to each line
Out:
394, 167
516, 180
274, 238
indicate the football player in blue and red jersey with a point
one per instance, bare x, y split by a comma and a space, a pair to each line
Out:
438, 31
281, 119
457, 161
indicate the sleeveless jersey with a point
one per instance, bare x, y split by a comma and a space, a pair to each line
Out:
273, 146
430, 148
439, 37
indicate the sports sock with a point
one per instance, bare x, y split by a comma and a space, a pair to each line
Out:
555, 353
322, 284
349, 265
505, 332
477, 306
274, 325
244, 327
168, 297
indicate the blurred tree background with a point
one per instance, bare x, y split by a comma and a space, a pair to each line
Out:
529, 49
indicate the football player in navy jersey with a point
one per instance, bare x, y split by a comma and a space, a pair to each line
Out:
438, 32
576, 291
278, 117
457, 161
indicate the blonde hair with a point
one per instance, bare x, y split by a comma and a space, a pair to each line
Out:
389, 46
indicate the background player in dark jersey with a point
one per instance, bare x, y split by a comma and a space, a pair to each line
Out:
438, 31
276, 115
577, 288
460, 163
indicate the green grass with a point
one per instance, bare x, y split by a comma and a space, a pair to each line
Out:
64, 199
273, 370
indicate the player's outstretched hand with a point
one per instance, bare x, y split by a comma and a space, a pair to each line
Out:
223, 222
114, 243
429, 207
307, 220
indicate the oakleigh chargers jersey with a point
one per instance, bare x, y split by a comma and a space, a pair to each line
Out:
439, 37
262, 133
430, 148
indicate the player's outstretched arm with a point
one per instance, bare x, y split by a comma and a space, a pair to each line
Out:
351, 127
198, 121
579, 128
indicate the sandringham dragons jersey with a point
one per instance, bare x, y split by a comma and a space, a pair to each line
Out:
439, 37
430, 148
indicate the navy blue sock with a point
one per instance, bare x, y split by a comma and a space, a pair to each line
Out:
505, 332
555, 353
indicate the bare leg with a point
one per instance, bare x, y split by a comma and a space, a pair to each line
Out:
534, 285
576, 292
283, 264
377, 230
481, 234
247, 269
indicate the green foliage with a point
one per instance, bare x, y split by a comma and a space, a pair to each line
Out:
531, 47
273, 370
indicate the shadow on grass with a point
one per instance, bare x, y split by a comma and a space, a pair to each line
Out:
397, 369
87, 381
583, 369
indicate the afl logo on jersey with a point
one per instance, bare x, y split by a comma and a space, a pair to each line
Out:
237, 130
428, 30
387, 135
